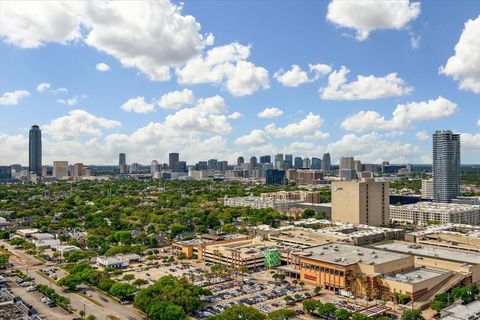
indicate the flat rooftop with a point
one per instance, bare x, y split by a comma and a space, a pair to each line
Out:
438, 207
431, 251
344, 255
416, 275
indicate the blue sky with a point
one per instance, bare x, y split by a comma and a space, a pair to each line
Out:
389, 113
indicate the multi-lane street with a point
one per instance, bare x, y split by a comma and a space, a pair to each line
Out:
97, 304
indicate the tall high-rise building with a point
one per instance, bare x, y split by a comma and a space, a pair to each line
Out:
253, 162
154, 167
347, 168
212, 164
122, 159
201, 165
316, 163
361, 202
122, 163
78, 170
289, 160
60, 169
306, 163
222, 166
279, 161
173, 159
298, 163
35, 150
357, 166
274, 176
181, 166
265, 159
240, 161
326, 163
446, 165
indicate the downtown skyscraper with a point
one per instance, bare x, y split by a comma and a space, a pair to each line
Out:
35, 150
446, 166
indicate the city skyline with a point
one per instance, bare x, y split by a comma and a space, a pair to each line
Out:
286, 83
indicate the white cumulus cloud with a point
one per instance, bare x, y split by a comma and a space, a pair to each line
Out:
296, 76
307, 126
226, 65
422, 135
270, 113
365, 16
402, 116
69, 102
102, 67
235, 115
151, 42
13, 98
138, 105
319, 70
372, 148
177, 99
464, 66
293, 77
77, 123
255, 137
364, 88
470, 141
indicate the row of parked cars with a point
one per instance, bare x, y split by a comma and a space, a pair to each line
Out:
243, 288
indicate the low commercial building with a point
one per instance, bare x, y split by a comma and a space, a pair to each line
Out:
423, 212
337, 266
62, 250
317, 232
26, 233
454, 236
119, 261
253, 253
470, 311
193, 248
47, 243
461, 262
42, 236
415, 283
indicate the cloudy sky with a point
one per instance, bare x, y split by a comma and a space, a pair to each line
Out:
219, 79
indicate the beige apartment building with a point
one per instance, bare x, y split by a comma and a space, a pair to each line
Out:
361, 202
301, 196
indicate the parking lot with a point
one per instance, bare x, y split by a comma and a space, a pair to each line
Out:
265, 296
153, 271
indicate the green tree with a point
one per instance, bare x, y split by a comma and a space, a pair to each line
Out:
129, 277
437, 305
122, 290
91, 317
359, 316
327, 309
414, 314
164, 310
309, 305
342, 314
139, 282
281, 314
4, 260
240, 312
71, 281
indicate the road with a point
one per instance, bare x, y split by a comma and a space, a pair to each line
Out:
109, 307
